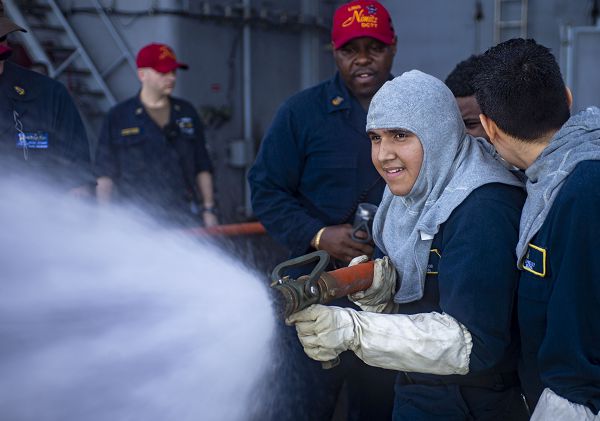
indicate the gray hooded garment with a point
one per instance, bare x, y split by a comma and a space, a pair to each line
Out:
454, 164
578, 140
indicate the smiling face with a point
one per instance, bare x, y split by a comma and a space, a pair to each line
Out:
364, 65
397, 155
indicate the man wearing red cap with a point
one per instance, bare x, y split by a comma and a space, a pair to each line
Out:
314, 168
152, 147
41, 132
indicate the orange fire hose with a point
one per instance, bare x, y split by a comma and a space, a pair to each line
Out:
246, 228
351, 279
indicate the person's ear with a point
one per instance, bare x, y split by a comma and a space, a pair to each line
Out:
141, 74
569, 96
489, 126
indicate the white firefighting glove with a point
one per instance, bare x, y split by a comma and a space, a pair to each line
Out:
556, 408
425, 343
325, 332
378, 298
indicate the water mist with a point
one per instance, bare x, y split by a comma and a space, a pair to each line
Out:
106, 316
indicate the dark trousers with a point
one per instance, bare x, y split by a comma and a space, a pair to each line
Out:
452, 402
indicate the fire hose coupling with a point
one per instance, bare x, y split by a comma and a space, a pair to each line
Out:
302, 292
319, 287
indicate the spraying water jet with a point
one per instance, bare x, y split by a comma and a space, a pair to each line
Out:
104, 315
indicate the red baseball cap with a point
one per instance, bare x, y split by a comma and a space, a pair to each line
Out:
361, 18
159, 57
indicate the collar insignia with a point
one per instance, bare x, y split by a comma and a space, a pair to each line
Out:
337, 101
19, 90
138, 111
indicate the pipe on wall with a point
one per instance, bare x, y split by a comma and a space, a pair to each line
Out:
309, 47
247, 99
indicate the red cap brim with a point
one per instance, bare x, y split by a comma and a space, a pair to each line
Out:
341, 41
169, 67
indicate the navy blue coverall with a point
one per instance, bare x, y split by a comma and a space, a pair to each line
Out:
472, 277
153, 167
314, 166
41, 132
559, 296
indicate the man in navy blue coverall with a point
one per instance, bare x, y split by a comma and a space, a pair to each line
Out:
152, 147
525, 112
41, 132
312, 170
313, 166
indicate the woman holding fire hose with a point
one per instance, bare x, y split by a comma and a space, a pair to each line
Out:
440, 310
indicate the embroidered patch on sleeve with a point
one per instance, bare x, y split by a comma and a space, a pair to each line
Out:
434, 261
535, 260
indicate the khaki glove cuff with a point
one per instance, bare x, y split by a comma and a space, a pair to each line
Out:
425, 343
